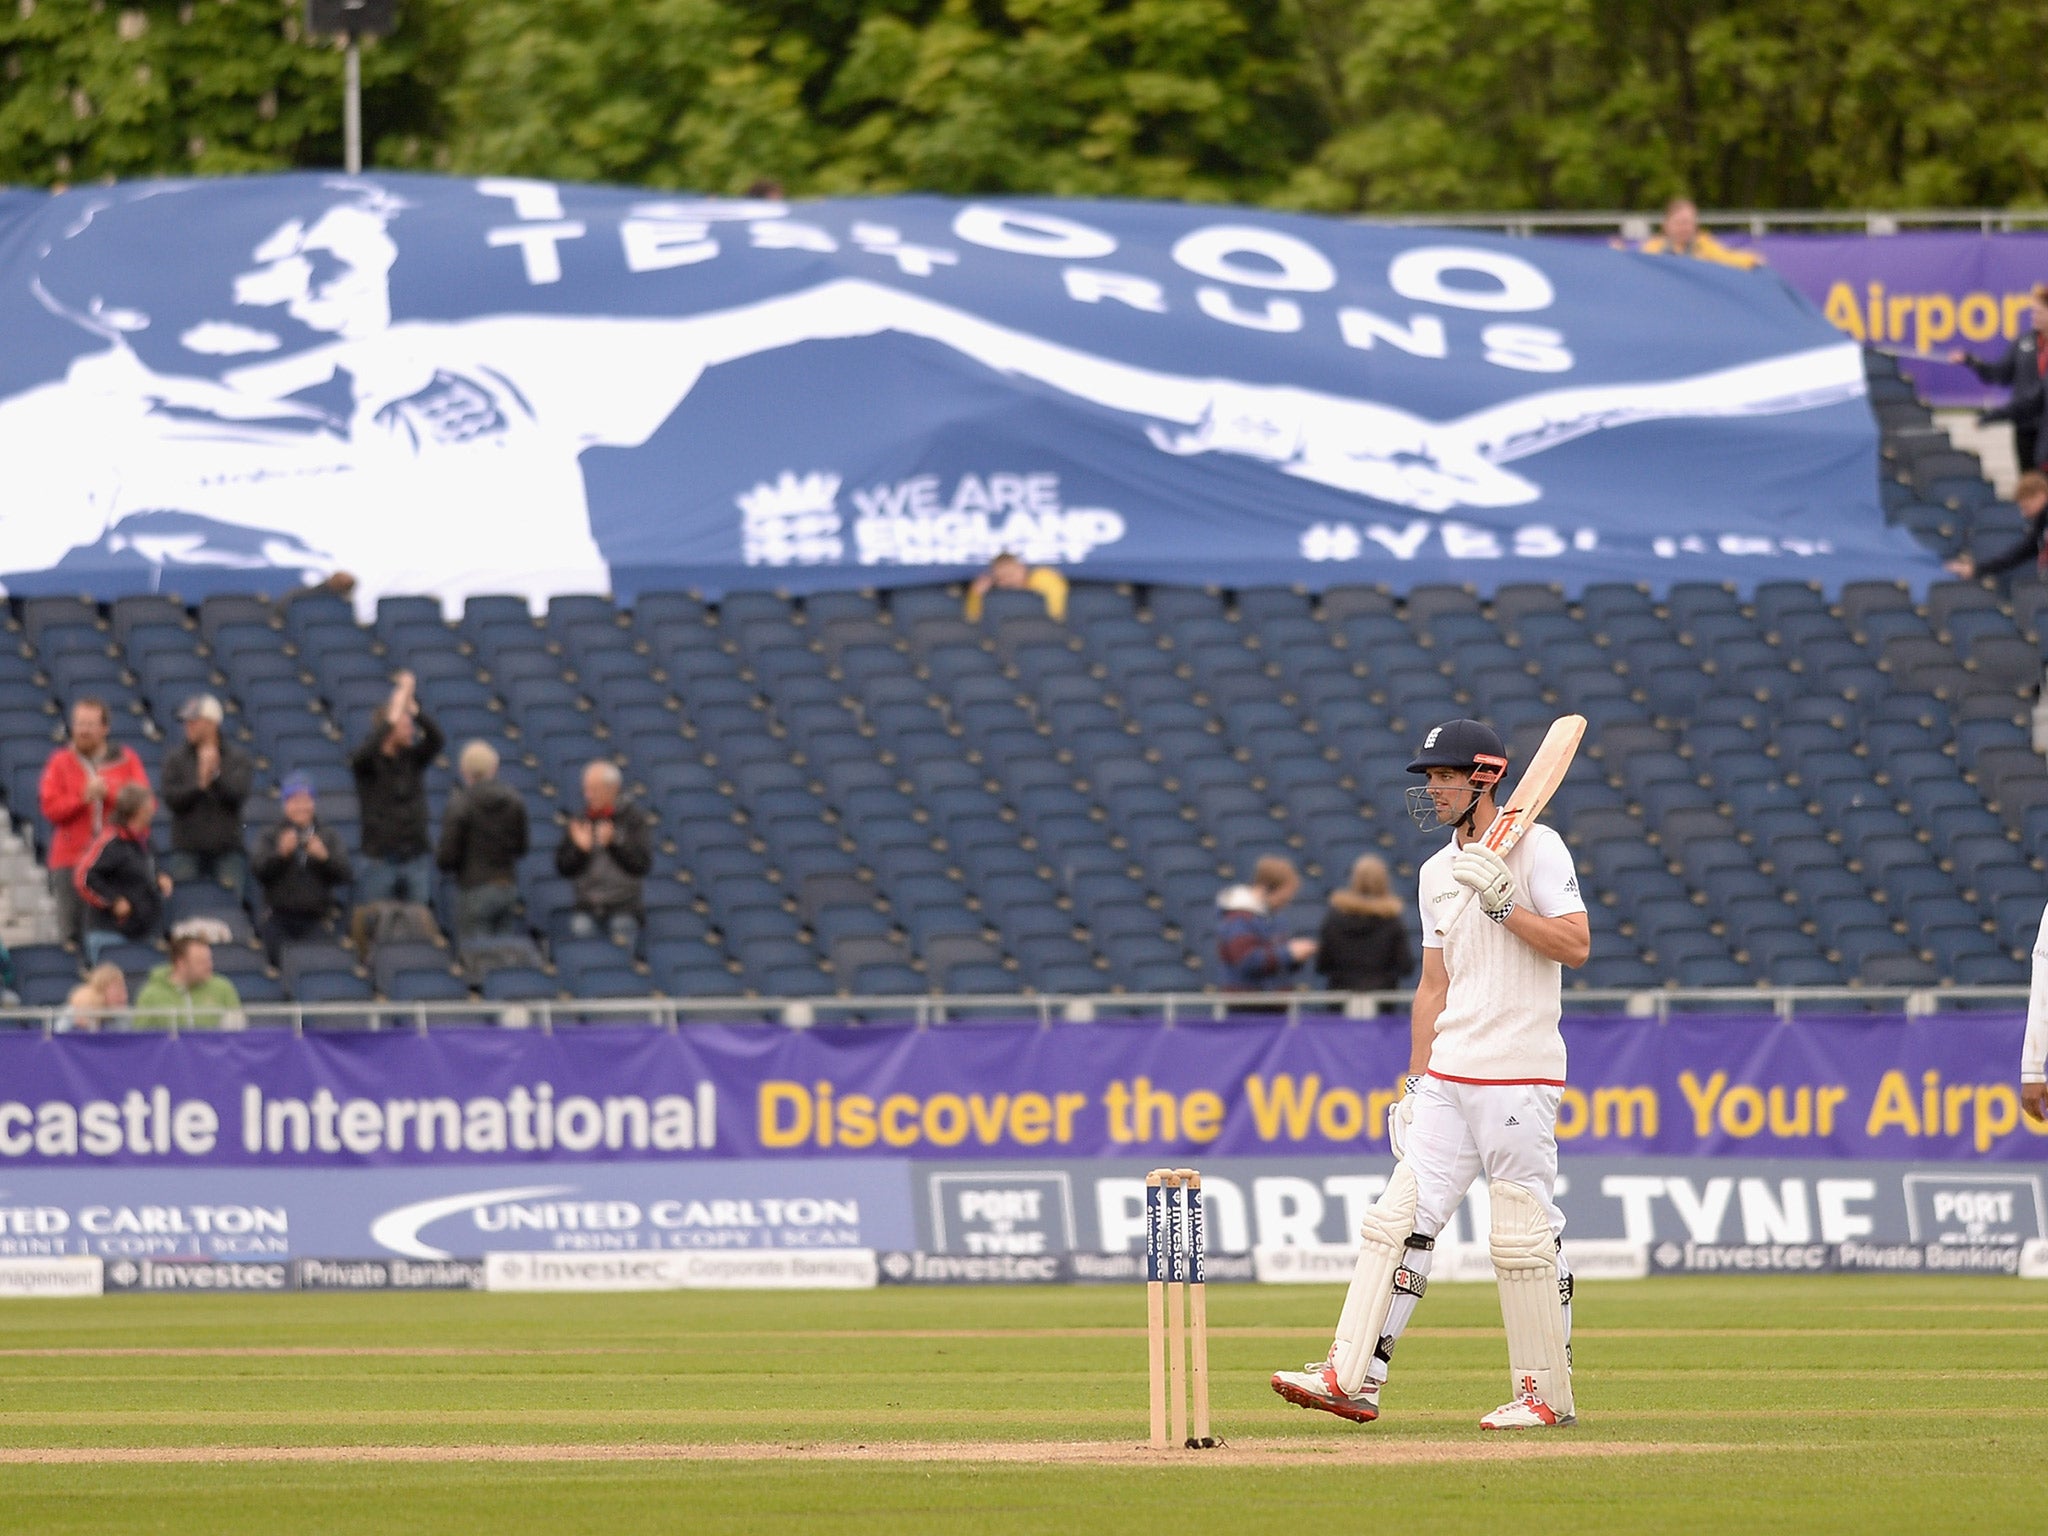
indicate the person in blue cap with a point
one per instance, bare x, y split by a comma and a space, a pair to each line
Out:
300, 864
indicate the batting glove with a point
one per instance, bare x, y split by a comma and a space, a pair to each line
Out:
1487, 876
1402, 1117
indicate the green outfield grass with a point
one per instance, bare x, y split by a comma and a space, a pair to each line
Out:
1756, 1404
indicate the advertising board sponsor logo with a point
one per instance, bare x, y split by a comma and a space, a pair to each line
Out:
138, 1229
1741, 1258
389, 1274
1305, 1264
1930, 1258
1594, 1258
1120, 1268
51, 1277
1129, 1268
844, 1269
197, 1275
998, 1212
961, 1269
1974, 1208
1334, 1263
565, 1216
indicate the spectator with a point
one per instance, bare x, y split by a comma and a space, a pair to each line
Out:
94, 1001
391, 786
1681, 235
300, 863
1009, 574
2025, 368
2031, 496
341, 584
1256, 956
607, 852
78, 781
483, 838
205, 781
117, 879
1364, 947
186, 994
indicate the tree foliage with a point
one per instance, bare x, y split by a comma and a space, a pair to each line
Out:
1331, 104
91, 91
1621, 103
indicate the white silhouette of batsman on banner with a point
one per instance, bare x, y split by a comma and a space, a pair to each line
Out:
449, 462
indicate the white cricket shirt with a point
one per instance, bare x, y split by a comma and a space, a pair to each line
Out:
1499, 1023
2034, 1053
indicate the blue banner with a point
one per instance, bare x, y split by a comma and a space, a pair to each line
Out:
510, 386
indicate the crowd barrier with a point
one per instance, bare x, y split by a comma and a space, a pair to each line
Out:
934, 1008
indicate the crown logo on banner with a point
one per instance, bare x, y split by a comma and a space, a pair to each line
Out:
792, 520
790, 493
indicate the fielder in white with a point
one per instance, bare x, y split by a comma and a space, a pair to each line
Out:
1485, 1073
2034, 1052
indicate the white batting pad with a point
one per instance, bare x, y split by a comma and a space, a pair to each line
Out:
1531, 1309
1383, 1239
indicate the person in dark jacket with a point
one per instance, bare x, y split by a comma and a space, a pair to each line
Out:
483, 838
2025, 368
607, 852
300, 863
1255, 955
118, 880
391, 787
2030, 495
205, 781
1364, 947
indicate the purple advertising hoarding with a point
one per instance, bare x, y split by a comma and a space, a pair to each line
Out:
1918, 1089
1926, 291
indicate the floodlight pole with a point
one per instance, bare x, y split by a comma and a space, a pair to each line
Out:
352, 107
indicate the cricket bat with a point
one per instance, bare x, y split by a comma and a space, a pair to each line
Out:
1538, 783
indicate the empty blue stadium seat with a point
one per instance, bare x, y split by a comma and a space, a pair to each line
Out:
515, 984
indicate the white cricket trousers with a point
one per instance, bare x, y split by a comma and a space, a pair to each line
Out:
1504, 1131
1463, 1131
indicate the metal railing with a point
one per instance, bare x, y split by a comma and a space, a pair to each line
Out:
926, 1010
1755, 221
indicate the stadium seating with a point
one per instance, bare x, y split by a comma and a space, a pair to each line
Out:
862, 794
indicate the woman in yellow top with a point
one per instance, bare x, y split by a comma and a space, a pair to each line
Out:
1011, 574
1682, 236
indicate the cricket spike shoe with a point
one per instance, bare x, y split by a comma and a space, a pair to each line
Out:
1315, 1386
1527, 1411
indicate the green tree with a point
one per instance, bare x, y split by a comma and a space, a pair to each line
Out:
1158, 98
1153, 98
1341, 105
1620, 103
89, 91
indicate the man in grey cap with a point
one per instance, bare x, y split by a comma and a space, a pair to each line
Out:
205, 781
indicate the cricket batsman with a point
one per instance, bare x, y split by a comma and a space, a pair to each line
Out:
1485, 1072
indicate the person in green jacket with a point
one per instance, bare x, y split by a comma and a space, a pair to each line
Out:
186, 994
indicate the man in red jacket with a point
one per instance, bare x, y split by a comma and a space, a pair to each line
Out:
79, 783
